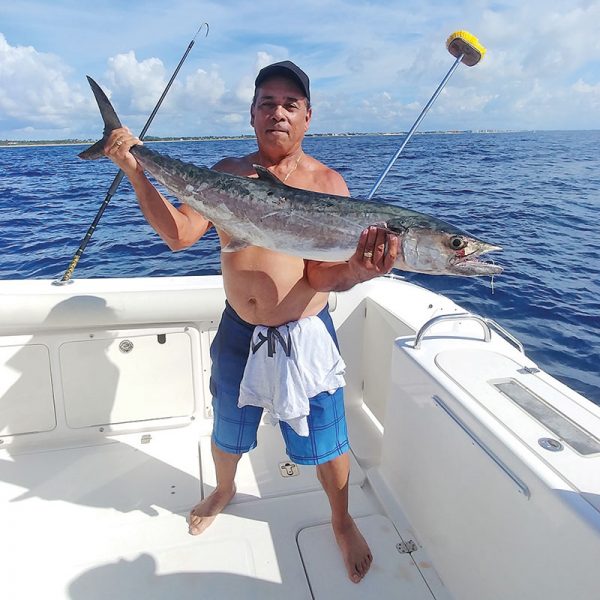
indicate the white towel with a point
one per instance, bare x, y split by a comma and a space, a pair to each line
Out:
286, 366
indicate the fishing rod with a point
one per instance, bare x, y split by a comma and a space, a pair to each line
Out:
66, 278
467, 49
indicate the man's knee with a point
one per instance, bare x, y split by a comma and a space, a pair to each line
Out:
222, 456
334, 472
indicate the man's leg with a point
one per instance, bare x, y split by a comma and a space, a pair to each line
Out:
333, 476
234, 428
204, 513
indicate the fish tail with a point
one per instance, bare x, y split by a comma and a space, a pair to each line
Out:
111, 121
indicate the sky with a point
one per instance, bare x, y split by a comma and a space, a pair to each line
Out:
373, 65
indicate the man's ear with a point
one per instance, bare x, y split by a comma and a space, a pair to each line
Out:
308, 118
252, 115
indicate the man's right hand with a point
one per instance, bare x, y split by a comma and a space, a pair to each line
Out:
117, 149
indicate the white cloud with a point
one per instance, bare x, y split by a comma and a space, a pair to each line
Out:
463, 100
232, 119
388, 112
541, 69
244, 90
263, 59
202, 86
139, 83
586, 89
34, 91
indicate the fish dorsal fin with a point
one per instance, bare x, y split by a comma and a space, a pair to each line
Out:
266, 175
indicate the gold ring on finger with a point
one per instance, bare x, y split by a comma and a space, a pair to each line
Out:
368, 254
119, 142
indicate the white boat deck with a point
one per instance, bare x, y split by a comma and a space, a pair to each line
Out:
489, 466
109, 521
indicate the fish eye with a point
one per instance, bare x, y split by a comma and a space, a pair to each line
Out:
457, 243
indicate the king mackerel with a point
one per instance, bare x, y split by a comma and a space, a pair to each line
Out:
268, 213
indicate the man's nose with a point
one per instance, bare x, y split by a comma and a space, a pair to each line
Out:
278, 112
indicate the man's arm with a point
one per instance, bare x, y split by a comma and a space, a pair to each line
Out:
179, 227
375, 255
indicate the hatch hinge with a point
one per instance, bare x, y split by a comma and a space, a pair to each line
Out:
406, 547
528, 370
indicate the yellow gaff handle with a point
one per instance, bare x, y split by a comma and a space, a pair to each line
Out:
467, 49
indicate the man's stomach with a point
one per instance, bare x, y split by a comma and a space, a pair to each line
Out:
268, 288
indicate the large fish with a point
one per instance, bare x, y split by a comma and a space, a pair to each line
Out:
265, 212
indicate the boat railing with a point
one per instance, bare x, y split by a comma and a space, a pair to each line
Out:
486, 324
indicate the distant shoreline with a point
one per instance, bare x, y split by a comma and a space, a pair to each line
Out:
38, 143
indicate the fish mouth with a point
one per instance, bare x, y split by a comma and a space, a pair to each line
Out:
476, 267
471, 264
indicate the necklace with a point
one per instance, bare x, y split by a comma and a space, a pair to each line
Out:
294, 167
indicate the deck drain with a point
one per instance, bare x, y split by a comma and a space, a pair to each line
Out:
288, 469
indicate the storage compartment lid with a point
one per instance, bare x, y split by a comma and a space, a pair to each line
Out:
557, 424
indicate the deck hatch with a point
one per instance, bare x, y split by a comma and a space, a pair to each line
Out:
576, 437
394, 573
26, 393
125, 376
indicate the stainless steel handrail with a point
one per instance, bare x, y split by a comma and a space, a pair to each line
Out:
486, 324
509, 337
453, 317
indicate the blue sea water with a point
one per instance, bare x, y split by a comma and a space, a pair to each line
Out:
536, 194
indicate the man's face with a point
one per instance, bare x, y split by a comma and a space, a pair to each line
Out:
280, 116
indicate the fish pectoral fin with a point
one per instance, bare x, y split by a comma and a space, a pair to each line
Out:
234, 245
266, 175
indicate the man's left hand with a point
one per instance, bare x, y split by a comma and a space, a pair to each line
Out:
375, 254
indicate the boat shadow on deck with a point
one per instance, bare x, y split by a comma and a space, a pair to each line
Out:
64, 446
120, 581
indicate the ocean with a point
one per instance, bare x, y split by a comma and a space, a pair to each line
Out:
536, 194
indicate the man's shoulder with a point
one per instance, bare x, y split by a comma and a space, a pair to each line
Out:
328, 180
236, 165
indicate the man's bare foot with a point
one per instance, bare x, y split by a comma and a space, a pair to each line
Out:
204, 513
355, 550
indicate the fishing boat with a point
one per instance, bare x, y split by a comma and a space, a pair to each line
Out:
474, 474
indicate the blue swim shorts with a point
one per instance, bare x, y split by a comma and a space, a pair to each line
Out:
234, 429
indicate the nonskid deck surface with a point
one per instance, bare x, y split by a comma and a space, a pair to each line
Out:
109, 520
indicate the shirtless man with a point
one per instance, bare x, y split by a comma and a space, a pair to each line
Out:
268, 288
